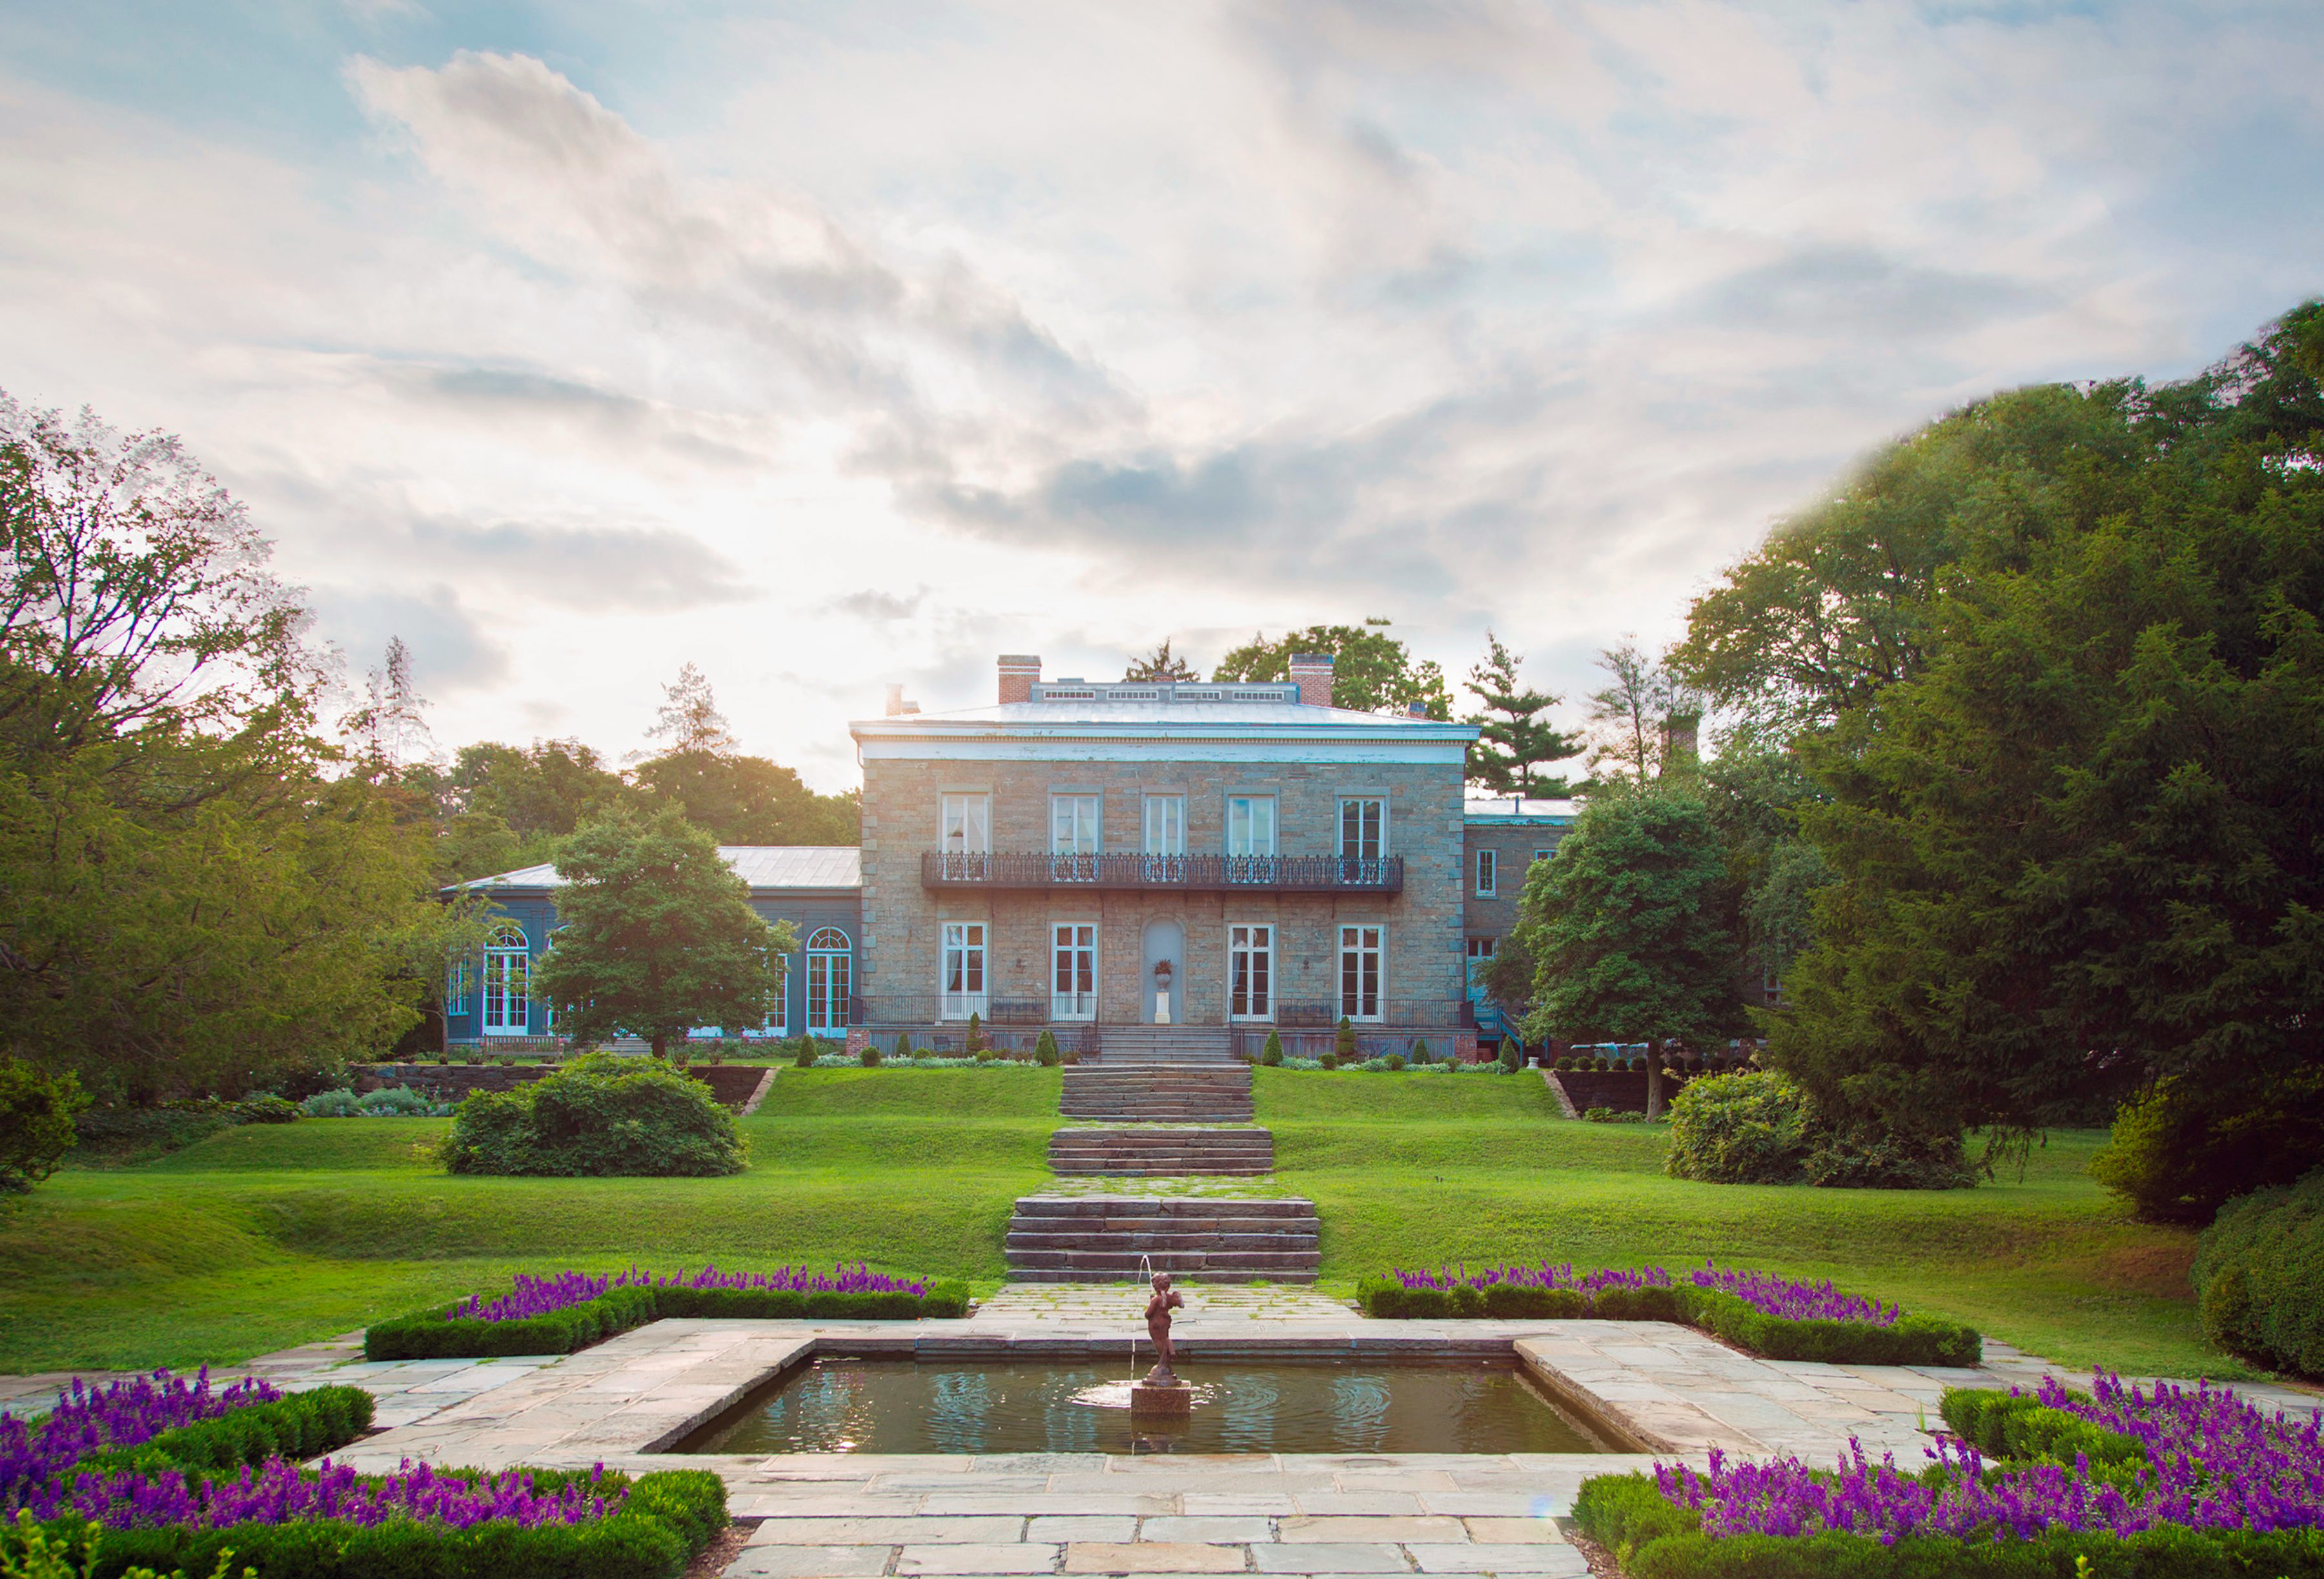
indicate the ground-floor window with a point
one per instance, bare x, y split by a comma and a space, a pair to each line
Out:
1481, 955
961, 987
1073, 982
1362, 972
779, 1017
830, 971
1250, 972
508, 982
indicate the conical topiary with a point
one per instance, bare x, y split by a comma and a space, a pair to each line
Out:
1045, 1049
1345, 1044
1420, 1053
1271, 1055
1512, 1057
976, 1033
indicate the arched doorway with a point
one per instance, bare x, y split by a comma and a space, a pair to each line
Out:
830, 979
508, 982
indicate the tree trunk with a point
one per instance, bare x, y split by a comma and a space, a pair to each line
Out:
660, 1042
1654, 1081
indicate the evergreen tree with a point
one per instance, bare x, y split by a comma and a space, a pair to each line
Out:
1513, 740
1161, 664
1627, 929
656, 935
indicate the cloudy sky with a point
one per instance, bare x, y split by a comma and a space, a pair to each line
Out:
825, 346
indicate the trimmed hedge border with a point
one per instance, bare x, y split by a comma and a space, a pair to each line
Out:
1654, 1538
434, 1335
1913, 1339
668, 1516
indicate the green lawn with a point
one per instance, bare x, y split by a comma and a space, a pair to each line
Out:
273, 1234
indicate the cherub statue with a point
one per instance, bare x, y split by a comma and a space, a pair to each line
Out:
1157, 1325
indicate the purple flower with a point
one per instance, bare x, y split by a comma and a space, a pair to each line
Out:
1794, 1299
123, 1413
538, 1295
2213, 1462
279, 1491
1544, 1276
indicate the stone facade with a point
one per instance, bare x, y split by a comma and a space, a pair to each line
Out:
1019, 756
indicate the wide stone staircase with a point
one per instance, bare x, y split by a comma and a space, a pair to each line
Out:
1162, 1043
1159, 1092
1105, 1239
1161, 1149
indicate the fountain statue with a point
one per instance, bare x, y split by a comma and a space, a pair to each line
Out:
1161, 1392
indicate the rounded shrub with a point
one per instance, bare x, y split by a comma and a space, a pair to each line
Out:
398, 1102
1739, 1129
1271, 1055
266, 1110
2185, 1149
330, 1105
1045, 1049
598, 1116
804, 1054
870, 1055
2259, 1276
36, 1122
1394, 1061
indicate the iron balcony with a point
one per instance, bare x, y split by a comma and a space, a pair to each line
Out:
1185, 874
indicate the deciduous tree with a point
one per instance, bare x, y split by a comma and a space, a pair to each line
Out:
1372, 670
1628, 929
656, 935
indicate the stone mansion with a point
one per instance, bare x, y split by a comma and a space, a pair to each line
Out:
1197, 861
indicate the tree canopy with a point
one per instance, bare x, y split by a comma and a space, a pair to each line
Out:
1372, 670
1627, 927
1161, 664
656, 935
2055, 670
200, 895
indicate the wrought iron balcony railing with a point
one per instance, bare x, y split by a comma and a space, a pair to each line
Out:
1195, 873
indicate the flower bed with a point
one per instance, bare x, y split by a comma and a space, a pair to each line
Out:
2156, 1483
168, 1475
567, 1311
1777, 1317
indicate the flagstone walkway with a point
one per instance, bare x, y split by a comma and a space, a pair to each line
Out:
1666, 1389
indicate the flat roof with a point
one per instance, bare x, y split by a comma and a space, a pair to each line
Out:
763, 866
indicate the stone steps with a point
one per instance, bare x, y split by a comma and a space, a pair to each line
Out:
1120, 1045
1096, 1238
1162, 1151
1157, 1094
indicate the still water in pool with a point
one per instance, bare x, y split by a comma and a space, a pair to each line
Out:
842, 1405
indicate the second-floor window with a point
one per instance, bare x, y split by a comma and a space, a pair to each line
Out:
1166, 825
967, 825
1364, 828
1250, 825
1073, 825
1488, 874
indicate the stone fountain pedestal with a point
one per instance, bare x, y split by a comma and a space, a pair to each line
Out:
1161, 1396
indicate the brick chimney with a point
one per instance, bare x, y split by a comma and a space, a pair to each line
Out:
1313, 672
1415, 709
1018, 671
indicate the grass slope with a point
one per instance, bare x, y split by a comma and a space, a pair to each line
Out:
1427, 1170
274, 1234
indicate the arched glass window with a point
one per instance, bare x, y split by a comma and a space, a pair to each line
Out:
830, 960
508, 980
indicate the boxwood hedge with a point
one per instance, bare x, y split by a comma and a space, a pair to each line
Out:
434, 1335
1913, 1339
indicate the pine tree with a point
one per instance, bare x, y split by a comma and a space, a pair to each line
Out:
1513, 740
1161, 664
689, 719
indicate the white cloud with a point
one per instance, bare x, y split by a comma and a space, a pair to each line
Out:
827, 352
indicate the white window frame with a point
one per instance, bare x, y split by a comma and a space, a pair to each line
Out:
459, 981
1363, 1001
1166, 825
830, 982
1488, 874
1378, 833
778, 965
1480, 954
1163, 819
1250, 963
964, 832
1073, 962
1076, 834
964, 970
1253, 823
507, 980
